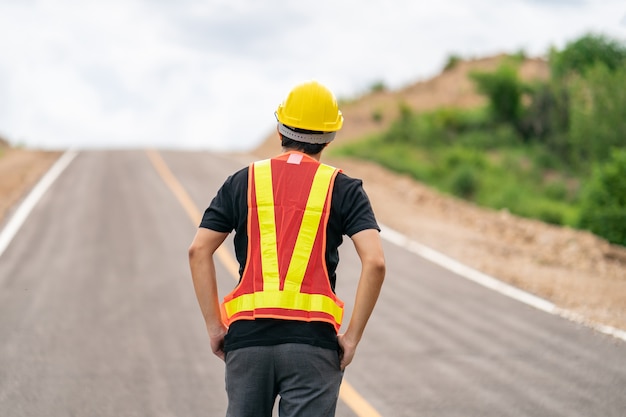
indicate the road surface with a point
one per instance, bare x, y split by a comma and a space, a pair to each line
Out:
98, 316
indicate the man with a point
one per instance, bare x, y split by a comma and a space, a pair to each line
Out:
278, 329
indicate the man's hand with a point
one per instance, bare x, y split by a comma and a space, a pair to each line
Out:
217, 342
348, 349
202, 266
369, 249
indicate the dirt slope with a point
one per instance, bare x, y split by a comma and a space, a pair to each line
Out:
576, 270
20, 169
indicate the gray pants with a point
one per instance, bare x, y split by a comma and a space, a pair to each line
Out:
307, 379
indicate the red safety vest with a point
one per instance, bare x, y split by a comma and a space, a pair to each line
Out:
285, 276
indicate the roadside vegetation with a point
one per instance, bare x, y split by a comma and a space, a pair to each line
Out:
553, 150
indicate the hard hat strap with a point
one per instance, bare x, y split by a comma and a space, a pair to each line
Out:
316, 138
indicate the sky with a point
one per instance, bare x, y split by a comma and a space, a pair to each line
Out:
208, 75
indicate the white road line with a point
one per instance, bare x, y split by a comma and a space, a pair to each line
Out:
490, 282
24, 209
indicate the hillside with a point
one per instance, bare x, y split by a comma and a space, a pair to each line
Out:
574, 269
451, 88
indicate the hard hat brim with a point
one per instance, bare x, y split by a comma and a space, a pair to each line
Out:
315, 138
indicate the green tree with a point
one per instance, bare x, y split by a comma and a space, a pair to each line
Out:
597, 114
452, 62
579, 114
585, 53
504, 91
378, 86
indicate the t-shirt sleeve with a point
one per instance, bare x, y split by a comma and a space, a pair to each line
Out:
355, 207
218, 216
222, 214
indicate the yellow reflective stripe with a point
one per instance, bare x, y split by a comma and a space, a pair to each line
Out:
290, 298
285, 300
267, 229
308, 228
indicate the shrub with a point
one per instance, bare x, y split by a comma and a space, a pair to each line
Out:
609, 224
457, 156
549, 213
464, 181
603, 209
402, 130
377, 116
556, 190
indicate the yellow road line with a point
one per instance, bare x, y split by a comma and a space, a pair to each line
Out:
192, 210
346, 393
357, 403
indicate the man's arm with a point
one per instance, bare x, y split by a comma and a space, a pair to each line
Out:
370, 250
202, 265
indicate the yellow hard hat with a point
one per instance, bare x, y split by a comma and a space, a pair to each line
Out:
310, 106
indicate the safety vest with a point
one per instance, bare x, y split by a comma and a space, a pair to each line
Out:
285, 276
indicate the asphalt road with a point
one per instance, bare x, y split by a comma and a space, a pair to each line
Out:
98, 317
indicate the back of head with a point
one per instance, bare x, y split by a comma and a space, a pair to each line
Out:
309, 115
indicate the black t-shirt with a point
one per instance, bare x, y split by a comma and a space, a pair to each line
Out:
350, 213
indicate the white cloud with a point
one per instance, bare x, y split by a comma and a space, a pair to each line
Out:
209, 74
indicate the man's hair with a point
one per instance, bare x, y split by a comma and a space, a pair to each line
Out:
307, 148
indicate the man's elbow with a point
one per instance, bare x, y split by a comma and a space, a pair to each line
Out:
205, 243
197, 251
377, 266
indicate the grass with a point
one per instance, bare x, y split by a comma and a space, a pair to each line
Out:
490, 167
